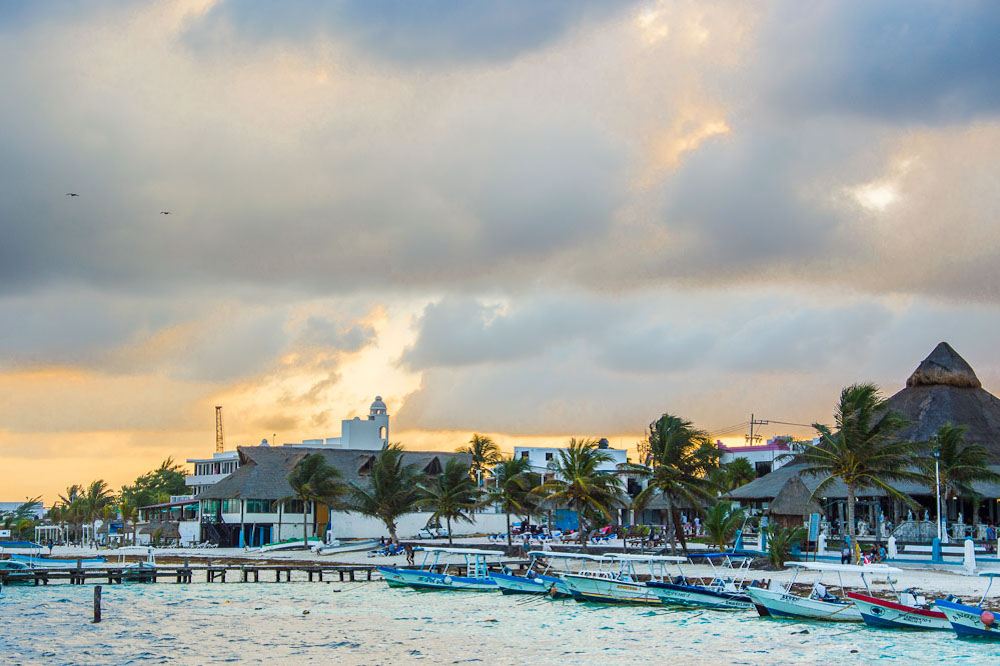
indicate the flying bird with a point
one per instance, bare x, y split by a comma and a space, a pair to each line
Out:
164, 212
72, 194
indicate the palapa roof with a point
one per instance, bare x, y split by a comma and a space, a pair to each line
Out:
170, 530
263, 470
793, 500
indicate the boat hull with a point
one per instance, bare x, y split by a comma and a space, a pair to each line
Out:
967, 621
609, 590
697, 596
522, 585
781, 604
894, 615
49, 563
427, 580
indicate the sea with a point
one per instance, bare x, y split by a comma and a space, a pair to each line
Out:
370, 623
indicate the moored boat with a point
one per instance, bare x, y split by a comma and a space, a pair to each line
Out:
546, 580
972, 621
726, 590
427, 577
780, 601
291, 544
55, 563
908, 611
623, 586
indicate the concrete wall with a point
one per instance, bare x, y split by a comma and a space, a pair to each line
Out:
346, 525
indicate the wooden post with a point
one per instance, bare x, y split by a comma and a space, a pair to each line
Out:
97, 603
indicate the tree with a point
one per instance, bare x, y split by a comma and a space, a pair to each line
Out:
862, 451
314, 480
452, 494
678, 461
511, 488
959, 464
156, 486
578, 483
732, 475
392, 489
128, 512
485, 455
721, 523
97, 496
781, 540
22, 515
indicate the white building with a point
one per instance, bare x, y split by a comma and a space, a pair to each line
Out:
371, 434
540, 456
209, 471
765, 458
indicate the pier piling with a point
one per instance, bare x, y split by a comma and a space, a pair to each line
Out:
97, 603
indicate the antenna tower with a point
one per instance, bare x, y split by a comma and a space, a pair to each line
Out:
218, 429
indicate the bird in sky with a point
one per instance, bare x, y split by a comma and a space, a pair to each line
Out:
72, 194
164, 212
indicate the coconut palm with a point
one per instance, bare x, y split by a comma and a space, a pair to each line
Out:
781, 541
128, 513
862, 451
578, 483
452, 494
678, 461
722, 521
732, 475
511, 488
392, 489
314, 480
485, 454
959, 464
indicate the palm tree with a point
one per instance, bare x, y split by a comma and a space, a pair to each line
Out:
721, 523
862, 451
959, 464
392, 489
732, 475
128, 514
452, 494
511, 488
485, 455
781, 540
679, 459
578, 483
314, 480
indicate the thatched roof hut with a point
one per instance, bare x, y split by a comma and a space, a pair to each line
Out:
170, 530
792, 503
944, 389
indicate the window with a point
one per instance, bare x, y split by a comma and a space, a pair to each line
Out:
258, 506
230, 506
211, 508
762, 468
548, 456
294, 506
524, 454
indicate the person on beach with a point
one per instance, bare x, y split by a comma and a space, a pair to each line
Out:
845, 553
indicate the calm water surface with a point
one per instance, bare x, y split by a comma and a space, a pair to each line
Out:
372, 624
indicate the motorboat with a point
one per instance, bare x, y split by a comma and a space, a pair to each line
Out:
291, 544
433, 572
140, 570
972, 621
38, 562
780, 600
543, 576
624, 585
344, 547
725, 590
909, 610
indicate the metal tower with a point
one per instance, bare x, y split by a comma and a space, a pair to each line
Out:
218, 428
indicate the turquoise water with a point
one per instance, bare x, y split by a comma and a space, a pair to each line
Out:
373, 624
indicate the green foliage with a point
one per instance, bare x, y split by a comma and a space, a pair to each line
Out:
732, 475
578, 483
862, 451
781, 540
511, 490
722, 521
452, 494
960, 464
392, 489
679, 459
314, 480
485, 455
157, 486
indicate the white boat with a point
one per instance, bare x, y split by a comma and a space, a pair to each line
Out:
725, 590
344, 547
140, 569
909, 611
622, 586
780, 601
433, 572
291, 544
543, 576
972, 621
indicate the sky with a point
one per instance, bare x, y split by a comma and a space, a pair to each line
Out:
533, 220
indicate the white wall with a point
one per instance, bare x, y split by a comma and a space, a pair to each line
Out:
348, 525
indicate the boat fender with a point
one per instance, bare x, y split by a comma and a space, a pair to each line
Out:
447, 580
987, 618
305, 612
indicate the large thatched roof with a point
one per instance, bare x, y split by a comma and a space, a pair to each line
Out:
944, 389
263, 470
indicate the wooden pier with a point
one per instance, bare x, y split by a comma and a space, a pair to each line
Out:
190, 573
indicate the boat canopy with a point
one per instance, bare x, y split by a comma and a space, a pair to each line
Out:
990, 574
714, 556
568, 556
19, 544
846, 568
463, 551
635, 557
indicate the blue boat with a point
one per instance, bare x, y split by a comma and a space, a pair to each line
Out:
545, 581
973, 621
725, 590
433, 573
53, 563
